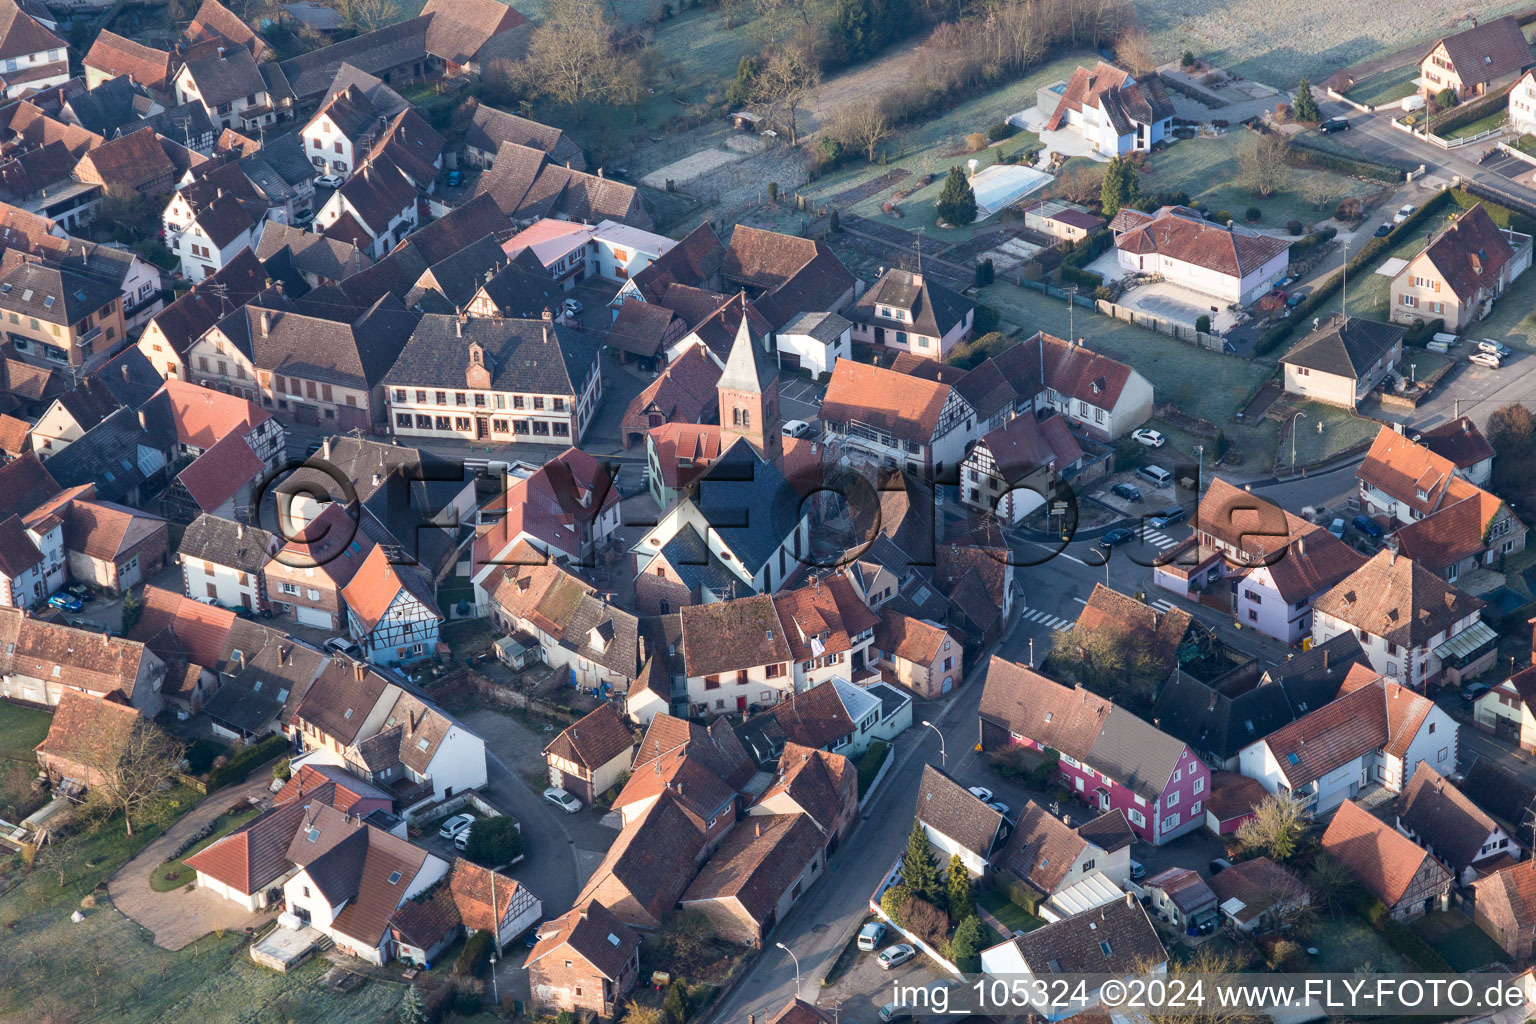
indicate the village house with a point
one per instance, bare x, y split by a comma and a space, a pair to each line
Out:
756, 875
489, 128
1258, 895
1229, 263
173, 330
210, 221
41, 661
1505, 908
685, 392
1464, 446
35, 59
471, 899
1434, 813
392, 610
1415, 628
834, 716
1343, 360
917, 655
1522, 104
1109, 757
1116, 939
785, 275
1116, 112
191, 638
61, 317
86, 738
649, 865
735, 654
676, 455
586, 959
1476, 61
504, 380
341, 132
896, 420
374, 210
1102, 397
1508, 710
907, 312
22, 566
958, 823
113, 546
1014, 469
1375, 733
1404, 876
1459, 274
266, 676
1181, 897
230, 87
589, 756
114, 56
527, 185
557, 246
1058, 218
812, 342
617, 252
305, 578
134, 162
821, 785
1068, 872
830, 631
318, 259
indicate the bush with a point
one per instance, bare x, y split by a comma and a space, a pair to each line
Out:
1203, 323
965, 947
675, 1006
282, 770
1000, 131
1445, 99
1301, 154
466, 1001
985, 273
239, 766
494, 841
976, 142
474, 957
870, 762
1253, 215
1222, 217
1293, 227
1188, 60
931, 923
1024, 896
895, 901
1422, 331
1349, 210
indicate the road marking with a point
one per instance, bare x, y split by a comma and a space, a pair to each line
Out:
1162, 540
1162, 606
1047, 619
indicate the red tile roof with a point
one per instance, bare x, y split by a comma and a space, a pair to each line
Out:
908, 638
594, 933
88, 731
204, 416
219, 474
1383, 859
594, 740
1332, 736
826, 614
117, 55
170, 621
903, 406
757, 863
1189, 238
1398, 599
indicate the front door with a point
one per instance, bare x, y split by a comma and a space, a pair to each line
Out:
482, 427
741, 704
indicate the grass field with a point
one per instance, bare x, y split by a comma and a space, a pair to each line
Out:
1013, 916
1462, 943
1370, 293
175, 874
1386, 87
1207, 169
1482, 124
1513, 321
21, 730
1341, 429
1348, 945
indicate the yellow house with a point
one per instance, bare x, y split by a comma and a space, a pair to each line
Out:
1480, 60
1505, 710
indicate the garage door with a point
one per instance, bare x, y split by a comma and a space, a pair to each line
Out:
313, 617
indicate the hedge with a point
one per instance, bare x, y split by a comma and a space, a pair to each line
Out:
1306, 242
1503, 216
1420, 333
1083, 252
869, 764
1466, 113
1301, 154
239, 766
475, 956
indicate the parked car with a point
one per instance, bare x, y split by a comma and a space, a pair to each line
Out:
1130, 492
211, 602
981, 793
68, 602
999, 807
1472, 691
1156, 475
1148, 437
1167, 517
796, 428
532, 938
573, 307
341, 645
1114, 538
1487, 359
455, 179
1294, 299
563, 800
454, 825
1382, 232
1138, 870
871, 935
1403, 214
303, 218
1337, 528
81, 591
1334, 124
461, 841
330, 181
1494, 348
1367, 526
895, 956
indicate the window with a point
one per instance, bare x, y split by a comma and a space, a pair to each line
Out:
403, 419
1200, 785
423, 422
538, 401
1173, 800
1173, 820
1178, 773
459, 398
1194, 808
1137, 818
1087, 865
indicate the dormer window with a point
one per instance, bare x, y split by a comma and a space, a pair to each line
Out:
394, 877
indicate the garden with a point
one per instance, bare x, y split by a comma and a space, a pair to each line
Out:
1323, 431
938, 907
1385, 87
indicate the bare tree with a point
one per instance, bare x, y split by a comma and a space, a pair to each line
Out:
572, 57
785, 83
1205, 960
1276, 828
127, 776
863, 126
1080, 184
61, 852
1261, 166
367, 15
1133, 49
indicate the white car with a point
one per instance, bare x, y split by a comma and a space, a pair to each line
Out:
330, 181
211, 602
461, 841
1487, 359
456, 824
895, 956
573, 307
981, 793
999, 807
563, 800
1403, 214
1148, 437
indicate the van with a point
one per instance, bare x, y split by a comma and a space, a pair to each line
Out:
1439, 346
796, 428
1156, 474
871, 935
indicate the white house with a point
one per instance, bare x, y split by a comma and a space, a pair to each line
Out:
618, 251
815, 342
391, 610
230, 88
1229, 263
32, 57
735, 655
206, 236
908, 312
1522, 104
897, 419
21, 566
958, 823
1115, 112
223, 559
374, 210
1342, 361
341, 132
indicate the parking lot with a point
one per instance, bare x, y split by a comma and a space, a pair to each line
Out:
799, 399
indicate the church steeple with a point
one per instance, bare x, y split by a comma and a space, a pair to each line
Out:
749, 391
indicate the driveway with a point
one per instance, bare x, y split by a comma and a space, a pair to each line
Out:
179, 918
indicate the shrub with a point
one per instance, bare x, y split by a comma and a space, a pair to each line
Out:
870, 762
466, 1001
895, 901
1301, 154
675, 1006
1282, 112
474, 957
1222, 216
1445, 99
1203, 323
1253, 215
1024, 896
494, 842
985, 272
240, 765
834, 223
282, 770
976, 142
1293, 227
1349, 210
930, 923
1282, 954
965, 947
1000, 131
1188, 60
773, 191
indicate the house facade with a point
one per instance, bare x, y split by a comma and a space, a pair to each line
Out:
1114, 111
1229, 263
1459, 275
907, 312
1477, 61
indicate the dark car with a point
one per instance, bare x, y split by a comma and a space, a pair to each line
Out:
1130, 492
1382, 232
1294, 299
455, 179
1334, 124
1472, 691
1167, 517
1366, 525
1114, 538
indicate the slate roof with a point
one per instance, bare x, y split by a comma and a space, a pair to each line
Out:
489, 128
1471, 253
1042, 849
931, 308
743, 479
946, 807
1444, 818
1380, 857
1487, 51
530, 356
1346, 346
1077, 944
1181, 235
1398, 599
1503, 793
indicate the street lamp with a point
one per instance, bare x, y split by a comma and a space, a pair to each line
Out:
1299, 415
796, 959
1031, 652
943, 757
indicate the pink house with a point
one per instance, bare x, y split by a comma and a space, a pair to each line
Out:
1110, 758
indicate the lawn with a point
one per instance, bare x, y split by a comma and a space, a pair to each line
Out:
1207, 168
1348, 945
1513, 321
174, 874
1466, 946
1341, 429
1013, 917
1202, 383
1495, 119
21, 730
1386, 87
1369, 293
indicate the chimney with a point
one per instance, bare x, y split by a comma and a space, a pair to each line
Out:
143, 420
357, 671
221, 53
266, 323
125, 371
458, 327
759, 829
1325, 659
239, 531
599, 172
325, 450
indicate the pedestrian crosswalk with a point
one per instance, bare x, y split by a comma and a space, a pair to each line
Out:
1046, 618
1159, 540
1161, 605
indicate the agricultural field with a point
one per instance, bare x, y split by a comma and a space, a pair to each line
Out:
1207, 169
